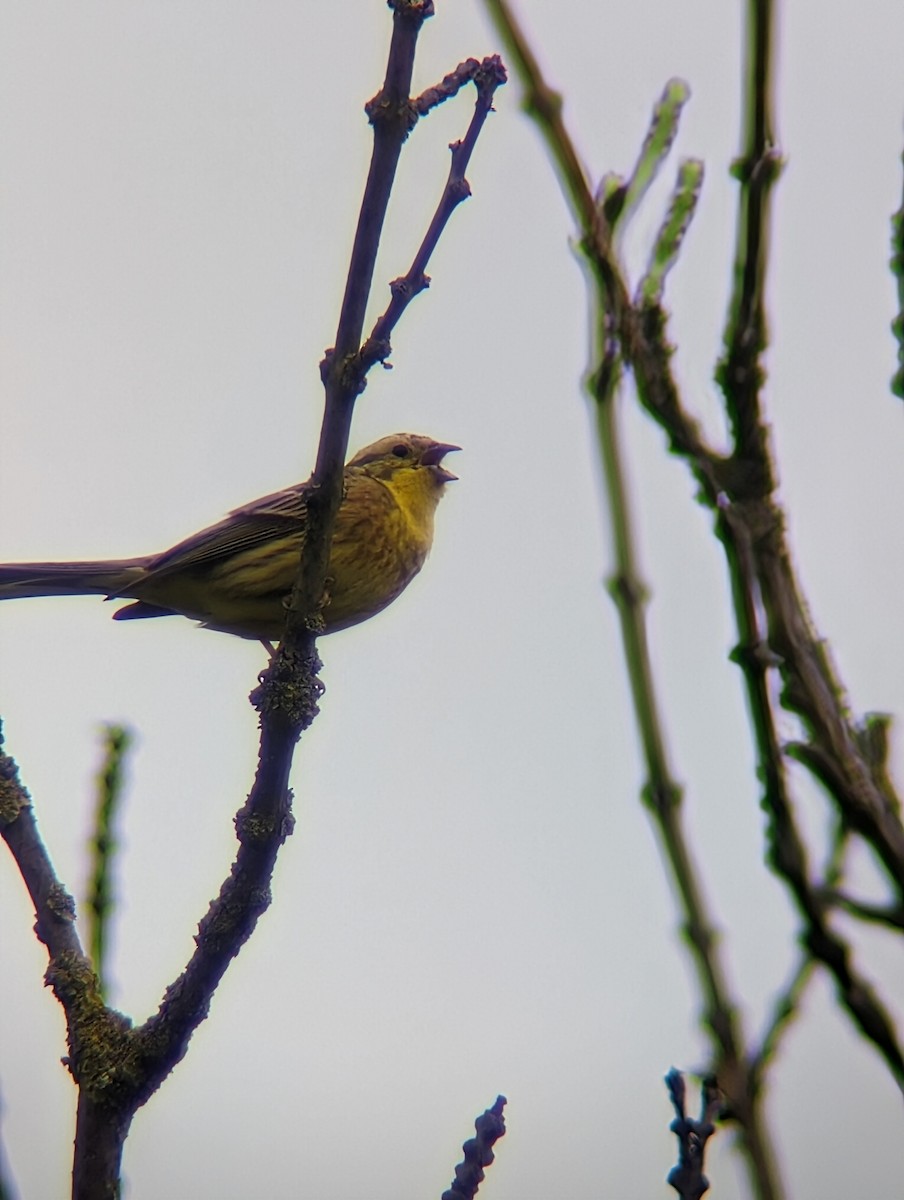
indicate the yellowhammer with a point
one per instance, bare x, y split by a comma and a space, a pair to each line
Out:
236, 575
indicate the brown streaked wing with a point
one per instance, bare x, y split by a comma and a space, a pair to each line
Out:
251, 525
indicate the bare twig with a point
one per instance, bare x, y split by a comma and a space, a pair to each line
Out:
764, 580
478, 1151
740, 372
892, 916
487, 76
450, 85
117, 740
812, 688
687, 1177
664, 255
661, 133
897, 267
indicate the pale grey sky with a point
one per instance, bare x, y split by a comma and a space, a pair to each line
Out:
472, 902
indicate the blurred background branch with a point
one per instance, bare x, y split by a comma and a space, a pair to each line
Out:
101, 901
776, 637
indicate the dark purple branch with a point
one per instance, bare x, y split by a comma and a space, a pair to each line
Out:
392, 116
897, 270
450, 85
289, 692
290, 689
99, 1138
687, 1177
478, 1152
487, 76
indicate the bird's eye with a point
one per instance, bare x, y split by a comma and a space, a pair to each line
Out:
400, 450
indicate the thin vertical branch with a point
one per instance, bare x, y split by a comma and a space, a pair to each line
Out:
762, 574
487, 76
100, 905
740, 372
687, 1178
897, 270
619, 332
478, 1153
776, 635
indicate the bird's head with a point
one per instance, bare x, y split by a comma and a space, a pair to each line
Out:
407, 459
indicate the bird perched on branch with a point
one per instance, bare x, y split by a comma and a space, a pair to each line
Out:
236, 575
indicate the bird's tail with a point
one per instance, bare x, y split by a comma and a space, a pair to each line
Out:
112, 577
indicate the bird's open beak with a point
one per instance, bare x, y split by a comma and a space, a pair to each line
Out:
433, 457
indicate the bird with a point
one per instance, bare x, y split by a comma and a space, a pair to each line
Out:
236, 576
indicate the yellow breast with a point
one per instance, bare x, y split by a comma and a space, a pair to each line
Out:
384, 530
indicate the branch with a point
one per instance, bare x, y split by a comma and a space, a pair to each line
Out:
889, 915
739, 372
687, 1177
487, 76
450, 85
664, 255
622, 331
287, 697
786, 850
290, 689
813, 691
622, 202
117, 742
775, 630
897, 270
812, 688
478, 1151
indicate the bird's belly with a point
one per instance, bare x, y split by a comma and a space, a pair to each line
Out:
364, 578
